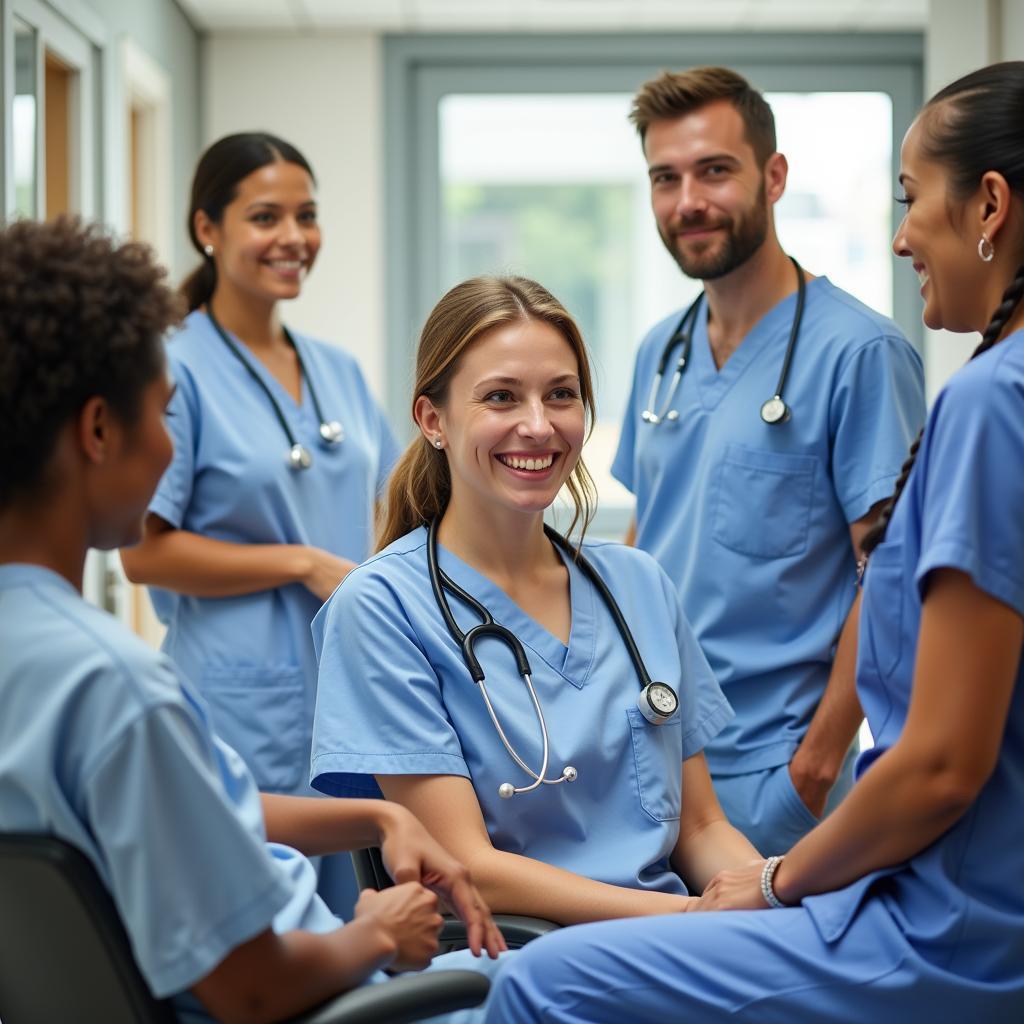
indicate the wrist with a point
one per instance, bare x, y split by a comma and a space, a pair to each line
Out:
297, 562
375, 941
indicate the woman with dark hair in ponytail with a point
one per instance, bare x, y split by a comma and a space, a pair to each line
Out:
280, 453
908, 902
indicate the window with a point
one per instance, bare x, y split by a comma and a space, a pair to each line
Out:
515, 155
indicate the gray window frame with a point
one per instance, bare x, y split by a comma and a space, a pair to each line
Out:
419, 70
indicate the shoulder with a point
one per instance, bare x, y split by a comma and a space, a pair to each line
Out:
326, 352
654, 340
387, 575
191, 341
988, 387
849, 320
92, 655
621, 564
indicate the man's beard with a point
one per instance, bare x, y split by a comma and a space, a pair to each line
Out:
743, 237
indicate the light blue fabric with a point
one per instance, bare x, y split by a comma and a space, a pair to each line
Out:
395, 698
939, 938
251, 657
751, 521
105, 745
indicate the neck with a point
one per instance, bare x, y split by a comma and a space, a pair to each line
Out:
737, 301
254, 322
42, 533
503, 547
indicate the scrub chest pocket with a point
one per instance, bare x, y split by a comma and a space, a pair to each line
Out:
261, 713
658, 758
762, 504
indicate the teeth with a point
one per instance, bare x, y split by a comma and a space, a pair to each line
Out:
519, 463
287, 264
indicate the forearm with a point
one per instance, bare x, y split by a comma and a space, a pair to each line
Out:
715, 847
318, 827
203, 567
899, 806
273, 977
513, 884
838, 716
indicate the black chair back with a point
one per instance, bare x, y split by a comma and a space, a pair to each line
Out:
64, 955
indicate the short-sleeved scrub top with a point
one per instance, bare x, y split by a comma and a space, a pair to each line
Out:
251, 656
939, 938
104, 744
751, 520
395, 698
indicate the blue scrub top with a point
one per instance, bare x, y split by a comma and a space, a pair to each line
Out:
750, 520
251, 656
104, 744
395, 698
960, 902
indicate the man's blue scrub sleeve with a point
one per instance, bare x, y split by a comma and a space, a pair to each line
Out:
174, 492
188, 878
976, 437
875, 406
397, 724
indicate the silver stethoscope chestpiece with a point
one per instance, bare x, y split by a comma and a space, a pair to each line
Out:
332, 432
299, 457
657, 703
775, 410
506, 790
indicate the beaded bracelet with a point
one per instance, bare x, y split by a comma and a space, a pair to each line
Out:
767, 874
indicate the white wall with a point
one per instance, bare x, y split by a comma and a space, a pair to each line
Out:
323, 94
961, 37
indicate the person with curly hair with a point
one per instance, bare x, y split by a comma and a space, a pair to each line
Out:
103, 741
280, 453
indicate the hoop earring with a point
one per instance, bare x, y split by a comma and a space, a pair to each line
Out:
985, 255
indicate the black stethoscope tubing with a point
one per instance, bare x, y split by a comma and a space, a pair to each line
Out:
440, 581
773, 411
331, 432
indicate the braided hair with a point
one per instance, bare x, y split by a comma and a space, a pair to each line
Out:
971, 126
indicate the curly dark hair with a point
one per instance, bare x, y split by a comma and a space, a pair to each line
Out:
81, 315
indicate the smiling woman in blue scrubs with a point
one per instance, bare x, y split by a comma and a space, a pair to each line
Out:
908, 902
503, 394
243, 542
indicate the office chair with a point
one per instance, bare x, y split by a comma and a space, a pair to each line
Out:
518, 930
64, 955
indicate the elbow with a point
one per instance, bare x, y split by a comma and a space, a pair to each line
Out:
949, 786
133, 566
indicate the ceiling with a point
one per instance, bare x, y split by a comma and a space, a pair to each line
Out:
555, 15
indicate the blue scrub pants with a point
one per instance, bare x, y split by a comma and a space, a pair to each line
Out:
767, 809
758, 967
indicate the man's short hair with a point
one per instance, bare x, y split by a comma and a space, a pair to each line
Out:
675, 94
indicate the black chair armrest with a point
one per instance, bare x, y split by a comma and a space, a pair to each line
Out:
402, 1000
518, 930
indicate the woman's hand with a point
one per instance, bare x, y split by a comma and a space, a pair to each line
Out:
324, 571
411, 854
735, 889
407, 915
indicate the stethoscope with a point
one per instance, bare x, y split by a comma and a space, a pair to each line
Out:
657, 701
773, 411
331, 431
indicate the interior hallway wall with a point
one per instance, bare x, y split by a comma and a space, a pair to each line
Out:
322, 93
961, 37
164, 33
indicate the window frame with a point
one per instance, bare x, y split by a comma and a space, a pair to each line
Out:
419, 70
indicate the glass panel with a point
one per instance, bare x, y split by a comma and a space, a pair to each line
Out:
555, 187
25, 114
